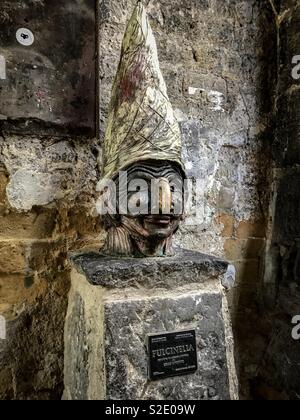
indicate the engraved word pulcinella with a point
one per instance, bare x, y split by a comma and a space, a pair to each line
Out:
171, 351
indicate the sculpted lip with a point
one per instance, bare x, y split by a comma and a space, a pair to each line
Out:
158, 220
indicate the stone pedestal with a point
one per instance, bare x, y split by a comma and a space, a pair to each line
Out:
114, 304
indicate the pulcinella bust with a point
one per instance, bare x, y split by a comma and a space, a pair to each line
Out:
143, 174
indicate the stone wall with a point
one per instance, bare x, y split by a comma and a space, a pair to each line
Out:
47, 182
46, 209
279, 371
219, 62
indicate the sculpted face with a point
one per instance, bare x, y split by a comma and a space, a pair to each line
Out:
153, 200
155, 205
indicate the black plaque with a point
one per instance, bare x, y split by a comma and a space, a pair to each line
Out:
172, 354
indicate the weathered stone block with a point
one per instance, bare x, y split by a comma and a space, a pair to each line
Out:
288, 207
31, 356
38, 224
12, 258
127, 324
51, 78
251, 229
186, 267
237, 249
3, 183
227, 223
287, 144
12, 289
108, 324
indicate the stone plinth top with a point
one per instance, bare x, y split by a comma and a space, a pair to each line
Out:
186, 267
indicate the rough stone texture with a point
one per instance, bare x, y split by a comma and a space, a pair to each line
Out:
49, 86
129, 322
84, 376
30, 358
132, 310
286, 228
185, 267
219, 61
37, 229
278, 374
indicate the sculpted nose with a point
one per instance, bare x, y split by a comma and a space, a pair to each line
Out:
165, 196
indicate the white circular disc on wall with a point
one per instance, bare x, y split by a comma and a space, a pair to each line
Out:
25, 37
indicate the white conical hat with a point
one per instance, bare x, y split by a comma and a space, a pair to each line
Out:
141, 124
